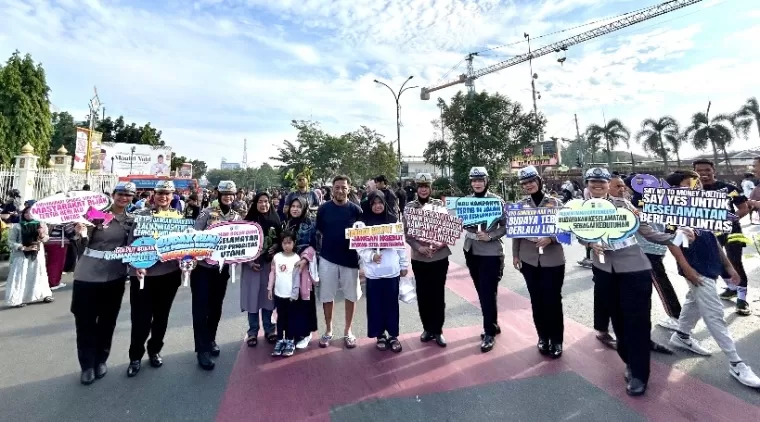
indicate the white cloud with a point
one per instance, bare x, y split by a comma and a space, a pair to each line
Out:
212, 72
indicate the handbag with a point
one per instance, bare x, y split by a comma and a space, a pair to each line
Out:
406, 290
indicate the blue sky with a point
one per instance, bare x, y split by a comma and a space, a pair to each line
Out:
212, 72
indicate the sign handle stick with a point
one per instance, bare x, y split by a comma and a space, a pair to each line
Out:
232, 272
141, 279
601, 256
541, 250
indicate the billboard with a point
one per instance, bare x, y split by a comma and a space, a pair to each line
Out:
186, 170
541, 154
229, 166
125, 159
80, 151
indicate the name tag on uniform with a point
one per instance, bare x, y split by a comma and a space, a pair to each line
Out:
621, 244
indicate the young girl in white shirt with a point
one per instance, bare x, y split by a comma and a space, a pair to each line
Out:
285, 291
383, 269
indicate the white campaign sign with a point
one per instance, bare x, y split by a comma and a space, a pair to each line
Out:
69, 207
239, 241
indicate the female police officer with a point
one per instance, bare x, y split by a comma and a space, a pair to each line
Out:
208, 283
99, 284
542, 262
483, 254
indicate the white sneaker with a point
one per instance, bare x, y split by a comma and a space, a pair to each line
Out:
669, 323
304, 343
743, 373
689, 344
59, 286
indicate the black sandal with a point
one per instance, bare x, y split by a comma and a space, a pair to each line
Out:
382, 343
252, 341
271, 338
395, 345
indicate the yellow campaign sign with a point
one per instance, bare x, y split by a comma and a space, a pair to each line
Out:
360, 229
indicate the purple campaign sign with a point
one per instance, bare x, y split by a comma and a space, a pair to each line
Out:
641, 181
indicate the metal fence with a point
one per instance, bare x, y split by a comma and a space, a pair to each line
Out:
8, 180
49, 181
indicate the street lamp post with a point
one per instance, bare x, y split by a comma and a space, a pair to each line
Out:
398, 116
131, 159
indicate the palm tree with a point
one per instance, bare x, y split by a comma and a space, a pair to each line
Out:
740, 126
613, 133
751, 111
679, 140
656, 134
704, 132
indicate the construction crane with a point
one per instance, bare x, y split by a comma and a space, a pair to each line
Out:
630, 19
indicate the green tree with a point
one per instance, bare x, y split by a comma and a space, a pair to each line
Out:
612, 134
751, 111
704, 131
119, 131
437, 153
64, 132
199, 167
656, 135
487, 130
359, 154
24, 107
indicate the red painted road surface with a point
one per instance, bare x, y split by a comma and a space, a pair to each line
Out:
312, 382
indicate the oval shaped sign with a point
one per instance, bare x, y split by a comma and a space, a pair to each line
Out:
68, 207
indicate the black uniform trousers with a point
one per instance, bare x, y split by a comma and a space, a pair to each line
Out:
208, 287
484, 271
602, 309
95, 306
545, 288
430, 283
664, 287
150, 311
734, 253
629, 300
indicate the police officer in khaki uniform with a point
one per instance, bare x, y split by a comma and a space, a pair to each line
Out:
99, 284
430, 265
207, 283
541, 260
151, 304
484, 254
624, 282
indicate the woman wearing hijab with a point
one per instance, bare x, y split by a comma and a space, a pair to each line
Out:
305, 230
383, 269
27, 279
255, 274
541, 260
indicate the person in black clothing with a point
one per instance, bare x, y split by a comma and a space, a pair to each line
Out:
739, 207
381, 184
400, 197
192, 209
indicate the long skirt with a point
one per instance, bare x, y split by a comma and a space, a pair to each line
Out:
304, 317
27, 280
253, 289
56, 260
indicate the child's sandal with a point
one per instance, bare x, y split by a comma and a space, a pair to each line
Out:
395, 345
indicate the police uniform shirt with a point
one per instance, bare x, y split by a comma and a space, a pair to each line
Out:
102, 239
440, 253
492, 247
630, 258
525, 248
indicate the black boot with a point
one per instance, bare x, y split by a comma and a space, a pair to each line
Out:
543, 346
426, 337
155, 360
636, 387
440, 340
88, 376
205, 362
133, 368
101, 370
487, 344
215, 351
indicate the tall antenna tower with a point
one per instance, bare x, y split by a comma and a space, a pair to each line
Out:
244, 164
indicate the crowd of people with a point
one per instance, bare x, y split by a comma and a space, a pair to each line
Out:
306, 260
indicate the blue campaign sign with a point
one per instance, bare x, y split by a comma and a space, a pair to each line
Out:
476, 211
141, 254
527, 222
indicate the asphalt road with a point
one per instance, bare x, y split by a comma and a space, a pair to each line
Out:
39, 376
